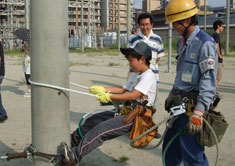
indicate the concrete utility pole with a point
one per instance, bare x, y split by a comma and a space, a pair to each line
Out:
49, 65
82, 25
27, 13
128, 19
169, 47
205, 15
227, 28
118, 34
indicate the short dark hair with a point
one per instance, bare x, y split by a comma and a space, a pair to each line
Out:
144, 16
137, 56
216, 23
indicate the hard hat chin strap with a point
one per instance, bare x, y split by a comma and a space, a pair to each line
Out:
186, 28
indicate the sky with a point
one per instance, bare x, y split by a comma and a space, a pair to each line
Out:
214, 3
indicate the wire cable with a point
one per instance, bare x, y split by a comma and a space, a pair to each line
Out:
60, 88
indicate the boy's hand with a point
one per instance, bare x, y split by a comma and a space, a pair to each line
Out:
195, 122
97, 89
104, 97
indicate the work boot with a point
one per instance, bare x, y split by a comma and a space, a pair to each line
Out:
67, 155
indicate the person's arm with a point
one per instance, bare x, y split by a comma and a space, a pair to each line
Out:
115, 90
217, 41
133, 95
218, 49
207, 80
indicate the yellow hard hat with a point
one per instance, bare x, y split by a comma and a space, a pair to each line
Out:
179, 10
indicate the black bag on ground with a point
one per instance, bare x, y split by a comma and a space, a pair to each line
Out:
219, 125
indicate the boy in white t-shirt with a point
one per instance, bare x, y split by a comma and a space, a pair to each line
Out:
105, 126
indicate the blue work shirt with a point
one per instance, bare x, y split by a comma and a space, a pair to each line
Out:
196, 69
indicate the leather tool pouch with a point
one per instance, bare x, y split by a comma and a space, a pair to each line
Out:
131, 116
143, 122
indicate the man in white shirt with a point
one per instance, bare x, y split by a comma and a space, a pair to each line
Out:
145, 34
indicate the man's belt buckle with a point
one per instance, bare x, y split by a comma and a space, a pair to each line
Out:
177, 110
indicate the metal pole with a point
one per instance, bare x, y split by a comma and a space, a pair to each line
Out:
11, 25
118, 34
27, 14
128, 19
49, 64
227, 28
82, 25
169, 47
149, 6
205, 15
89, 24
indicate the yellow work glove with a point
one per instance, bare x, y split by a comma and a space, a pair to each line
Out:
97, 89
195, 122
104, 97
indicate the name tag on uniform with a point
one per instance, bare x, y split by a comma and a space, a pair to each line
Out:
187, 77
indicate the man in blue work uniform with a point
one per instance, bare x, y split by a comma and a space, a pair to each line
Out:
195, 79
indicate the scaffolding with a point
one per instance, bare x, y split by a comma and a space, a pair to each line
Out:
14, 15
11, 18
163, 3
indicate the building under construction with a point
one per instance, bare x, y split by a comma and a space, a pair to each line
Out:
12, 16
98, 16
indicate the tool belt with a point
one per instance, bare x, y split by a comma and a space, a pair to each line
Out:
133, 109
215, 119
143, 121
179, 96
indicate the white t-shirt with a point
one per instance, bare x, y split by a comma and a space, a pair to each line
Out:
146, 84
26, 63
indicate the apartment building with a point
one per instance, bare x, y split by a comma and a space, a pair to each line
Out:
110, 13
91, 16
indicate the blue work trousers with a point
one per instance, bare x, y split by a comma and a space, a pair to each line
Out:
185, 147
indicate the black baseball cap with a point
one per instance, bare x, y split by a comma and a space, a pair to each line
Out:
141, 48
